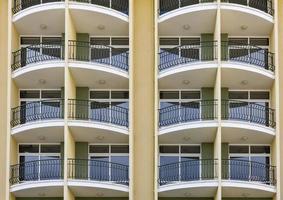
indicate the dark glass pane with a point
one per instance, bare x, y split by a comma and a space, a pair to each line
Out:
119, 170
26, 148
169, 168
100, 41
120, 95
169, 41
29, 94
169, 95
52, 40
169, 149
239, 149
190, 41
190, 149
259, 95
119, 149
98, 149
260, 169
190, 94
239, 168
99, 94
50, 167
50, 149
239, 111
260, 149
30, 40
29, 168
99, 168
51, 94
190, 168
120, 41
238, 95
259, 41
190, 111
238, 41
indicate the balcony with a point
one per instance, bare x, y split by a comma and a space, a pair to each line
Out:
99, 62
21, 5
101, 176
240, 176
41, 61
98, 119
188, 61
188, 119
46, 115
199, 176
44, 175
248, 62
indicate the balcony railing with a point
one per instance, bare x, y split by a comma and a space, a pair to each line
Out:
37, 111
169, 5
50, 169
189, 170
23, 4
263, 5
97, 170
243, 170
102, 54
37, 53
188, 112
186, 54
119, 5
248, 54
249, 112
97, 111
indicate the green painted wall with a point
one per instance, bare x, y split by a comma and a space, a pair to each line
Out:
82, 107
184, 198
224, 46
207, 168
207, 107
82, 51
224, 156
39, 198
81, 152
104, 198
224, 104
207, 46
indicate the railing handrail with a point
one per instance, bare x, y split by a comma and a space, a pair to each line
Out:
178, 107
90, 45
249, 161
99, 161
229, 43
212, 43
126, 110
248, 102
34, 102
188, 161
35, 161
40, 45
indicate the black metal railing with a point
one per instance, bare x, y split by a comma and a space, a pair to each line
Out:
185, 171
102, 54
97, 170
188, 112
50, 169
23, 4
243, 170
249, 112
119, 5
199, 52
263, 5
169, 5
37, 53
249, 54
37, 110
98, 111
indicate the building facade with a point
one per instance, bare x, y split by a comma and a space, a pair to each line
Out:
141, 99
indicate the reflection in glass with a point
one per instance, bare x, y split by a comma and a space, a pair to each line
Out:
99, 168
190, 168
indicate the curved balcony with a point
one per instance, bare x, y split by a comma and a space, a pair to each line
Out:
42, 175
248, 62
248, 176
91, 63
27, 119
247, 120
42, 61
176, 14
98, 119
188, 61
190, 119
111, 16
30, 15
100, 176
251, 14
195, 175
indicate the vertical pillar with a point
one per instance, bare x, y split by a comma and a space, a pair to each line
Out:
142, 99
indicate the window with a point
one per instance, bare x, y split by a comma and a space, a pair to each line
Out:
249, 162
250, 50
109, 162
39, 161
179, 162
35, 103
